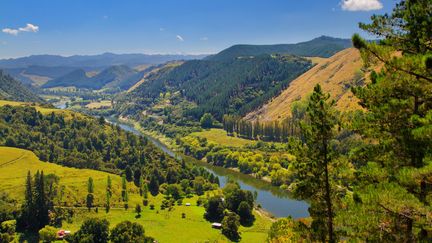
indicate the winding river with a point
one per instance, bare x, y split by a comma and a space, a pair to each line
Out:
272, 199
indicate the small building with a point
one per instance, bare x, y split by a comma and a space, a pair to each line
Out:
217, 225
61, 234
188, 204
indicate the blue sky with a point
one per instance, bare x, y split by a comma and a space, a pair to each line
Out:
69, 27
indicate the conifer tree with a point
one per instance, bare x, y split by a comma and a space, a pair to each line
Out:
313, 171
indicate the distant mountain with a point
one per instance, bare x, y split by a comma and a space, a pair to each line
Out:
92, 61
11, 89
121, 77
323, 46
112, 77
38, 75
77, 78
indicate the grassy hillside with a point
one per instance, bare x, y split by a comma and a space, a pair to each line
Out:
12, 89
336, 75
164, 225
14, 164
323, 46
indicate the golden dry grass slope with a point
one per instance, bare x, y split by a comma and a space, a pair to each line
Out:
335, 74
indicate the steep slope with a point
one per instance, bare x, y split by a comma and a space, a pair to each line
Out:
335, 74
323, 46
11, 89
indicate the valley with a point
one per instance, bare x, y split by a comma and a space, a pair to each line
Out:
323, 139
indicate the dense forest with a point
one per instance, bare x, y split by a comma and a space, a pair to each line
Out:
224, 87
14, 90
83, 142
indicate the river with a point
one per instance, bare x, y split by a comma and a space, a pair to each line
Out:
272, 199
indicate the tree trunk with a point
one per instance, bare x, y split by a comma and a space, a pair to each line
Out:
328, 198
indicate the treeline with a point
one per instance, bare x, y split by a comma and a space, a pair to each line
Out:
275, 131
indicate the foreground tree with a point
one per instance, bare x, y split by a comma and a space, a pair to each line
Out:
313, 179
392, 197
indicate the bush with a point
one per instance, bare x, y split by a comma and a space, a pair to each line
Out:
230, 225
48, 234
127, 232
8, 227
92, 230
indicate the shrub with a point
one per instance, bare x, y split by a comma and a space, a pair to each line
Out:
48, 234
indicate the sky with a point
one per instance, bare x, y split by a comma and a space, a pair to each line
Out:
87, 27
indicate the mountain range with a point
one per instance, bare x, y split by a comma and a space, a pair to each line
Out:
91, 61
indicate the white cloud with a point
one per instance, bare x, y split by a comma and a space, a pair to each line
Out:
10, 31
361, 5
205, 38
27, 28
30, 28
179, 38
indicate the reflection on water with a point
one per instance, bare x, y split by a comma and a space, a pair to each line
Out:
274, 200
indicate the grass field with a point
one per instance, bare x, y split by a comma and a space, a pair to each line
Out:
99, 104
219, 136
164, 225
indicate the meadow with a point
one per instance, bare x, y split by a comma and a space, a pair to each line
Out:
219, 136
164, 225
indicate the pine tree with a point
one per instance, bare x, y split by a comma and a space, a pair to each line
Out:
393, 191
313, 181
40, 201
90, 186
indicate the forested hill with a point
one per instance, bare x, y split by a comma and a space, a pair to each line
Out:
10, 89
115, 76
323, 46
233, 86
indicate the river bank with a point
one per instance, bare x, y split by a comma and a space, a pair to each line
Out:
272, 200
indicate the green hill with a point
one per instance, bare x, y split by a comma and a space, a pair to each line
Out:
77, 78
11, 89
113, 77
323, 46
233, 86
